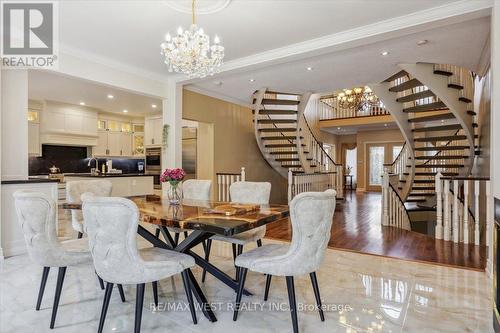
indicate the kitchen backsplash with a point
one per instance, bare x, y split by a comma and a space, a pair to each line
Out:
73, 160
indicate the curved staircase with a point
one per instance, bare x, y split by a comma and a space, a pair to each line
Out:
432, 105
285, 138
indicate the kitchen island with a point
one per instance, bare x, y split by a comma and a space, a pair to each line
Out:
124, 185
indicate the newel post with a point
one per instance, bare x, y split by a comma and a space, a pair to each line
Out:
290, 182
439, 207
243, 174
385, 199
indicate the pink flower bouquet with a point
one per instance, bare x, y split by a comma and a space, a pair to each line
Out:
173, 176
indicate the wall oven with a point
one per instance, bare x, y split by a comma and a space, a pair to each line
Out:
153, 165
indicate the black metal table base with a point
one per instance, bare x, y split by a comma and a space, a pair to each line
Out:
195, 237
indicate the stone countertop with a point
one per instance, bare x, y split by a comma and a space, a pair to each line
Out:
29, 181
107, 175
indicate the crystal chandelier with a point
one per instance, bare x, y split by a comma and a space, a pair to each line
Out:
190, 53
359, 98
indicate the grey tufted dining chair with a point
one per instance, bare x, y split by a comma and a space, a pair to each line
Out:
36, 213
111, 225
311, 214
74, 191
192, 190
245, 193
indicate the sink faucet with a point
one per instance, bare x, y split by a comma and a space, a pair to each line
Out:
95, 170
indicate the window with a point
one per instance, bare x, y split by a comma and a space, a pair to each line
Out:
395, 151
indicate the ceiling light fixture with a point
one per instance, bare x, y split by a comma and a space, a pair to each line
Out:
190, 53
125, 111
309, 68
384, 53
385, 125
252, 80
111, 96
153, 106
82, 103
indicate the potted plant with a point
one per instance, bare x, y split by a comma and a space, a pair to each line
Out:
174, 177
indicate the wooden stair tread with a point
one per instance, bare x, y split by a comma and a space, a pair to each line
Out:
287, 159
421, 194
399, 74
277, 121
435, 173
432, 118
278, 129
291, 165
423, 188
439, 157
441, 72
291, 152
416, 199
406, 85
423, 181
267, 101
437, 128
438, 166
276, 112
455, 86
280, 137
415, 96
438, 148
464, 99
426, 107
282, 145
441, 138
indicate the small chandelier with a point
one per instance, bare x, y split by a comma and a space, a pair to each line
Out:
358, 98
190, 53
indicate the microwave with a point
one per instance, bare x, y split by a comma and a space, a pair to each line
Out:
153, 159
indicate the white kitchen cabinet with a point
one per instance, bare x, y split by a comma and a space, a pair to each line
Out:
34, 148
153, 131
114, 143
123, 186
102, 144
126, 143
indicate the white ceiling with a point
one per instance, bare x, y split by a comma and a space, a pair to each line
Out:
460, 44
130, 32
49, 86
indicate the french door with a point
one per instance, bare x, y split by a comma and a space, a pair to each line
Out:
378, 154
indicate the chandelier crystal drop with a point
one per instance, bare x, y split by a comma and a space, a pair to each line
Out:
189, 51
358, 98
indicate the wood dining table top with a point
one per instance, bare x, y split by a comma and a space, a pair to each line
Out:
221, 218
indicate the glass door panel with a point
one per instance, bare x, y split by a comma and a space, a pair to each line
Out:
376, 156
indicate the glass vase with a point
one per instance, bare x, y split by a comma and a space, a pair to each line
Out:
174, 194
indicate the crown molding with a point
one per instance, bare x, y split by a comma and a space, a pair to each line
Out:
111, 63
430, 18
222, 97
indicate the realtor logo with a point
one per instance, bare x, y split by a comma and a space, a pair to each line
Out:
29, 31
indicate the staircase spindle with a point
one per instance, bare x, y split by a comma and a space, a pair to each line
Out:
476, 212
455, 225
447, 211
466, 213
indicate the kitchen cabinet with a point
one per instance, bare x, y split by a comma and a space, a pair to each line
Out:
34, 147
126, 144
110, 143
114, 144
153, 131
102, 144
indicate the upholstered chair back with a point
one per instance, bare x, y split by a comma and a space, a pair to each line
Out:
311, 214
74, 191
250, 192
36, 212
111, 226
196, 189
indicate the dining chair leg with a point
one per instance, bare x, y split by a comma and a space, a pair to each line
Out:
45, 275
157, 233
189, 295
207, 256
105, 304
238, 252
80, 235
234, 251
155, 292
293, 306
122, 294
268, 284
176, 239
138, 307
241, 286
259, 242
60, 280
101, 282
185, 234
315, 286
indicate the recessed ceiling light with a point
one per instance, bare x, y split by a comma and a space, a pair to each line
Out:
385, 125
111, 96
309, 68
384, 53
338, 128
252, 80
422, 42
82, 103
153, 106
125, 111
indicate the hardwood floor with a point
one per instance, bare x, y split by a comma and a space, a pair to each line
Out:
356, 227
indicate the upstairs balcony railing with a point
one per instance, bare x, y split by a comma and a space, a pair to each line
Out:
363, 104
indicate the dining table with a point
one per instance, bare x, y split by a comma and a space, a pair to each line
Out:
203, 219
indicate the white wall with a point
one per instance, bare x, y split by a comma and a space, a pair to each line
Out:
14, 113
495, 99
